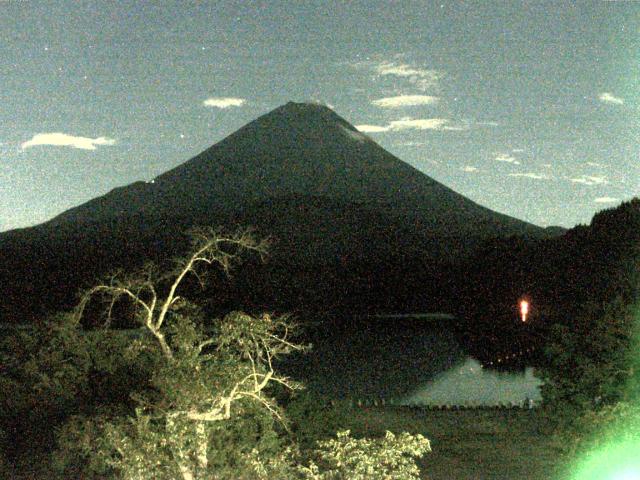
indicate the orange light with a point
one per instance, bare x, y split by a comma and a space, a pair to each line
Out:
524, 309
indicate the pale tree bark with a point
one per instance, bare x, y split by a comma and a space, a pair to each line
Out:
140, 289
266, 339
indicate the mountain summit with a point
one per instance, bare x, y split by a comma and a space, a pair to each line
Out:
343, 212
301, 150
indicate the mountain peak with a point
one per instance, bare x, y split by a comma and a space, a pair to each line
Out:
305, 112
310, 105
301, 149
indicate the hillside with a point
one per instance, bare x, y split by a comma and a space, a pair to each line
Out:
334, 202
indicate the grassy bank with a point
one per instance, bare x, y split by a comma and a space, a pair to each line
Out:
472, 444
497, 444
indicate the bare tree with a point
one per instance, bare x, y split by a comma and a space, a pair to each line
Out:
208, 247
200, 378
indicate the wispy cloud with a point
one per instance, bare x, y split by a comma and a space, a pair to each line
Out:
441, 124
590, 180
358, 136
372, 128
419, 124
606, 200
425, 124
506, 158
608, 97
65, 140
405, 101
531, 175
469, 169
224, 102
421, 78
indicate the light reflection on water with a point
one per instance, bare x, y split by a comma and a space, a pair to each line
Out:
417, 363
471, 384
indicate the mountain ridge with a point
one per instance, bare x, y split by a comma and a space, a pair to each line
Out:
296, 149
351, 222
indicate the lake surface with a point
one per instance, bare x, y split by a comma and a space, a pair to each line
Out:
408, 361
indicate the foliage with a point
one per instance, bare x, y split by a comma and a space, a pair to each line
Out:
602, 444
596, 428
346, 458
388, 458
44, 370
204, 387
314, 417
57, 370
590, 362
200, 401
179, 398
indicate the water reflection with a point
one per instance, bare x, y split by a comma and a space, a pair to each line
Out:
412, 362
471, 384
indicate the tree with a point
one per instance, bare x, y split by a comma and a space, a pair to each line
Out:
199, 380
208, 409
388, 458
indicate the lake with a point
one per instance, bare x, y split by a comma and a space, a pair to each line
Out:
409, 360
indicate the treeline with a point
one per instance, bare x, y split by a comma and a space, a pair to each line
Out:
561, 277
189, 397
584, 325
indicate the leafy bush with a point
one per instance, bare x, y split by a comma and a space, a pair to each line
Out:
314, 417
590, 363
345, 458
44, 371
57, 371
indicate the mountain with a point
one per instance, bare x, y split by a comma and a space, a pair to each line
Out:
347, 217
299, 150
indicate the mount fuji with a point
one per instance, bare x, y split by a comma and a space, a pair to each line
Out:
352, 224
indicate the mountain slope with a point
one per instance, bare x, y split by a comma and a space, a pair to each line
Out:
350, 221
297, 150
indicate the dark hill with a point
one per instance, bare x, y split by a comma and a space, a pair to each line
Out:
351, 222
587, 267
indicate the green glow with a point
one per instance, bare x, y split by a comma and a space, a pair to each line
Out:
619, 461
619, 457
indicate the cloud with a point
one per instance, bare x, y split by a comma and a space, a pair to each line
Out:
358, 136
469, 169
506, 158
372, 128
405, 101
608, 97
590, 180
424, 124
421, 78
418, 124
64, 140
531, 175
223, 102
413, 124
606, 200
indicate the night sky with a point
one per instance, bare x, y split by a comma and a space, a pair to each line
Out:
531, 109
